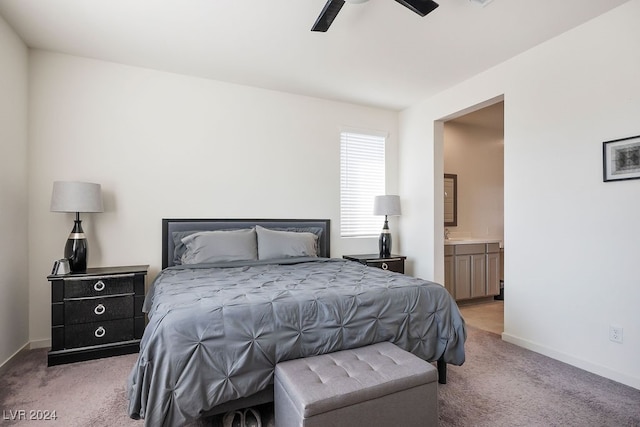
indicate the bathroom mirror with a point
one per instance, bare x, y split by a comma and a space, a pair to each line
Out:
450, 200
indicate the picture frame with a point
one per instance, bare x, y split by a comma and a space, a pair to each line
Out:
621, 159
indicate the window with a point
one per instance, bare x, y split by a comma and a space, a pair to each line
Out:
362, 177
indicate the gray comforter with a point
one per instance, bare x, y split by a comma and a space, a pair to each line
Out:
216, 333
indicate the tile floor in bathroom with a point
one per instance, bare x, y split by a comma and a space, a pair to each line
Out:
487, 315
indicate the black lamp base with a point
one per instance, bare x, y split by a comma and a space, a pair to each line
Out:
76, 248
384, 242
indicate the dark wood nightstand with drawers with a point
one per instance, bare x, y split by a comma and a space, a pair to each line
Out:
393, 263
97, 313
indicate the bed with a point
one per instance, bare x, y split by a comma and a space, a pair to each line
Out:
235, 297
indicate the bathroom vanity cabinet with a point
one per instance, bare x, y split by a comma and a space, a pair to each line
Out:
472, 268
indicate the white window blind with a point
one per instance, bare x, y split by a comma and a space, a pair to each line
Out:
362, 177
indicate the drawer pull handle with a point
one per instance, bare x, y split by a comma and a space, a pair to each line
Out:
385, 266
99, 286
99, 333
99, 309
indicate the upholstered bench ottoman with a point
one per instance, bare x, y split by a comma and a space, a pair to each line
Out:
377, 385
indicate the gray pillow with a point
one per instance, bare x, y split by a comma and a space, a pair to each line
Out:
273, 244
220, 246
178, 247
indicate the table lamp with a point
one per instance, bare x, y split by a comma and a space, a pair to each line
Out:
386, 205
69, 196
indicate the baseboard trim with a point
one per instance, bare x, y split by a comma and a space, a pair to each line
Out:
585, 365
5, 365
39, 344
31, 345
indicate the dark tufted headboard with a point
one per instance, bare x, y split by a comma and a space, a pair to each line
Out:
171, 225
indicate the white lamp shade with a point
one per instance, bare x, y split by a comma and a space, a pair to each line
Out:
70, 196
386, 205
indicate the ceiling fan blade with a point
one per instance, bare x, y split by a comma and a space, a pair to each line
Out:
421, 7
328, 14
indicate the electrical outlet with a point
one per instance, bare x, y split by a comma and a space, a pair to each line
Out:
615, 334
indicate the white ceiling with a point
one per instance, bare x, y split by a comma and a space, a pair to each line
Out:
377, 53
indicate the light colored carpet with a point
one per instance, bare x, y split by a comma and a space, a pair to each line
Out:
81, 394
499, 385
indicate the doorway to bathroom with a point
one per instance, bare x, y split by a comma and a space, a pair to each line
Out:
473, 151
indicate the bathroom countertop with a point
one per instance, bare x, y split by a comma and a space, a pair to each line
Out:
471, 240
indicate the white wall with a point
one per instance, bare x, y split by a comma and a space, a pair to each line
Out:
164, 146
572, 239
476, 155
14, 289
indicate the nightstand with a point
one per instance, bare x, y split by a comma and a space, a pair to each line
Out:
97, 313
393, 263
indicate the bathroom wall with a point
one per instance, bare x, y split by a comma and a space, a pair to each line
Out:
474, 151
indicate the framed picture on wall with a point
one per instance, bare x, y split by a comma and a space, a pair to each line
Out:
621, 159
